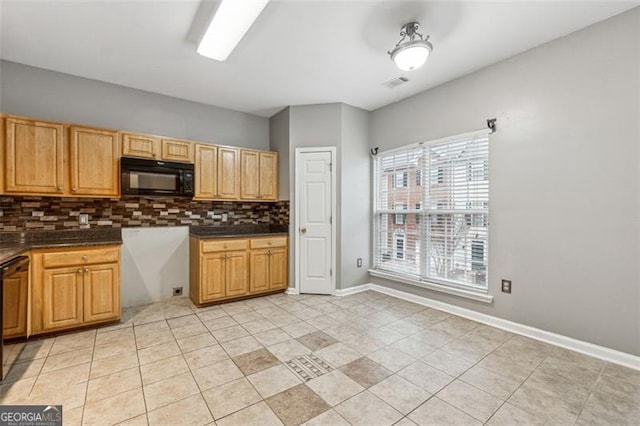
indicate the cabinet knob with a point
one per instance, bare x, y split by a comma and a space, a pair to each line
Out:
269, 243
84, 258
153, 155
86, 270
80, 270
225, 246
59, 188
74, 189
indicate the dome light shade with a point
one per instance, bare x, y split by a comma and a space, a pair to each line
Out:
413, 53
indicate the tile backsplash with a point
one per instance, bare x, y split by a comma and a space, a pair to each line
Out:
46, 213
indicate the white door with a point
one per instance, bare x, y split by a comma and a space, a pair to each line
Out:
314, 199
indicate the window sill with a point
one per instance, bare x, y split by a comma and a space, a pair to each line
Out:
467, 294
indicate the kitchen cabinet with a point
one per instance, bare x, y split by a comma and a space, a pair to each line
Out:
34, 157
218, 269
234, 268
258, 170
156, 148
228, 173
206, 166
268, 264
14, 311
180, 151
94, 162
140, 146
74, 287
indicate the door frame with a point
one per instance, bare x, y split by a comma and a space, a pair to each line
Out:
332, 150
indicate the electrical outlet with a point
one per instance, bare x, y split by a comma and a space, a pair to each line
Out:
177, 291
359, 262
506, 286
224, 217
83, 219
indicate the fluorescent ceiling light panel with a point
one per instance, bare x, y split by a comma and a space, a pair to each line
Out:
229, 24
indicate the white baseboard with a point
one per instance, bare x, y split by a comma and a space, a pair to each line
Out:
353, 290
596, 351
292, 291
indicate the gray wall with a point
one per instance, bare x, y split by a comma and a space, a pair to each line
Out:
279, 141
564, 208
45, 94
355, 213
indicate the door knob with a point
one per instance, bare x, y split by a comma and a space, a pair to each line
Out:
303, 230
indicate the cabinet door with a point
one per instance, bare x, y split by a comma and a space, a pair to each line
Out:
249, 175
237, 273
101, 289
228, 173
259, 271
278, 268
142, 146
34, 157
205, 172
212, 276
14, 314
62, 298
94, 156
268, 176
173, 150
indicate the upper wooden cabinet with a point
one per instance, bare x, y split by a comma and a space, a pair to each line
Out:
94, 157
259, 175
268, 175
173, 150
141, 146
206, 176
153, 147
228, 173
34, 160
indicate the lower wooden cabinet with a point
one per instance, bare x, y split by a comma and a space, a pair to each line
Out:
73, 288
222, 269
14, 313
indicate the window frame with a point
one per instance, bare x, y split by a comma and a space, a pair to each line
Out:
423, 216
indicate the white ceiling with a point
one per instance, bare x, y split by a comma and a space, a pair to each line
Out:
297, 52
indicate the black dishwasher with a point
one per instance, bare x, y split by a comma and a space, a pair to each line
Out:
7, 269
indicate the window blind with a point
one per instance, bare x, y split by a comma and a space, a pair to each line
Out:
434, 226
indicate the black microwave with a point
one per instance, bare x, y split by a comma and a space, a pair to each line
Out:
152, 177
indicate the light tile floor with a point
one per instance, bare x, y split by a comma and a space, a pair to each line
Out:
393, 362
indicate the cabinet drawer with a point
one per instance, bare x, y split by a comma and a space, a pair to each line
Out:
258, 243
80, 257
224, 245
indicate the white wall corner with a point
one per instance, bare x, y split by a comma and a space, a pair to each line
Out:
292, 291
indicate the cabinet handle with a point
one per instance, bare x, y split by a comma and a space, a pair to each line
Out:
86, 270
84, 258
269, 253
153, 155
269, 243
74, 189
80, 270
59, 188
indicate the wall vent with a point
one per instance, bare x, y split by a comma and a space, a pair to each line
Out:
395, 82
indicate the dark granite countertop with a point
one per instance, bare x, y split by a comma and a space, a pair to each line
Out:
13, 244
227, 231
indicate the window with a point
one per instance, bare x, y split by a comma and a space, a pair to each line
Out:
399, 218
400, 180
445, 239
398, 246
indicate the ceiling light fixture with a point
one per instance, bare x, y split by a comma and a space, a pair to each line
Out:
232, 20
412, 51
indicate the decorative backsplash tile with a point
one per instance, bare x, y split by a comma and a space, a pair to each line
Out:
44, 213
